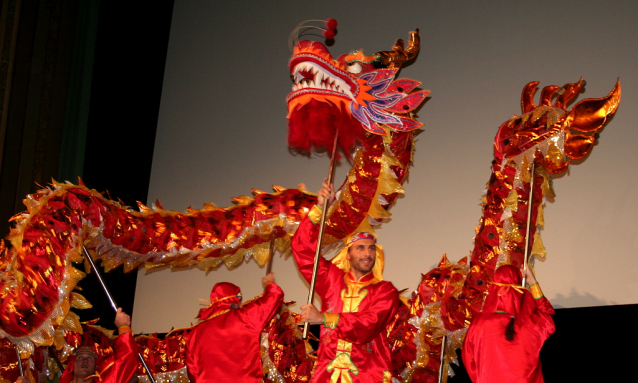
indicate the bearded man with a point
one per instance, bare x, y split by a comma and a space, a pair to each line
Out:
356, 303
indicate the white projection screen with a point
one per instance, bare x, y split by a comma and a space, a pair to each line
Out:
222, 130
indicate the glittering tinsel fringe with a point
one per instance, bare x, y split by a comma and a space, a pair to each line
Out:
177, 376
115, 254
26, 344
431, 316
522, 164
268, 366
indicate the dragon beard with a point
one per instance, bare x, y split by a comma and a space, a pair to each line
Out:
315, 124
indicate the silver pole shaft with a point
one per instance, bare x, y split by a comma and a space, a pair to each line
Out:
113, 304
19, 361
98, 274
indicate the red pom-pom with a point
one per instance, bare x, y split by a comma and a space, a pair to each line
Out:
329, 34
331, 23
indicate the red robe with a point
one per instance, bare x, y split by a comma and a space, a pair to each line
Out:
489, 357
120, 367
225, 348
354, 345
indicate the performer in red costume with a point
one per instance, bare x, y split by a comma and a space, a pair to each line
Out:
119, 368
224, 346
356, 304
504, 341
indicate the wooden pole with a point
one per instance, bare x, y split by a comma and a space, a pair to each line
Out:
315, 268
442, 364
529, 222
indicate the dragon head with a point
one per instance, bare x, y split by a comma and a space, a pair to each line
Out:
353, 94
560, 134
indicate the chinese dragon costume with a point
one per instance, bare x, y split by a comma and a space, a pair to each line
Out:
528, 149
373, 112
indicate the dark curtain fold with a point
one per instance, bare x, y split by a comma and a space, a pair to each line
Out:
80, 87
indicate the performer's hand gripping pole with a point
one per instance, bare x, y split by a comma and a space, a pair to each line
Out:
530, 201
112, 301
315, 268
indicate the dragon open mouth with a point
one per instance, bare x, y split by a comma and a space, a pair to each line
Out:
313, 77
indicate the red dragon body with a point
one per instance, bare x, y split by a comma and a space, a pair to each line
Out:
39, 272
528, 149
358, 97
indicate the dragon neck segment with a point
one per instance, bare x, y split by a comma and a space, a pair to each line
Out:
543, 135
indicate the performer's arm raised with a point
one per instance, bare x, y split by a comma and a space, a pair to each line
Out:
263, 308
544, 309
304, 243
124, 349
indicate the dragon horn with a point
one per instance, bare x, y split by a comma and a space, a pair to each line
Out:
398, 55
547, 93
590, 114
527, 98
569, 92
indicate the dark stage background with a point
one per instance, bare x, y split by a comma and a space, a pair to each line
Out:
588, 346
82, 98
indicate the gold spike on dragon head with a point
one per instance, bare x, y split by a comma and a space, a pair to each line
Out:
573, 131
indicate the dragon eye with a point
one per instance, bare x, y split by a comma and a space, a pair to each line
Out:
355, 68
